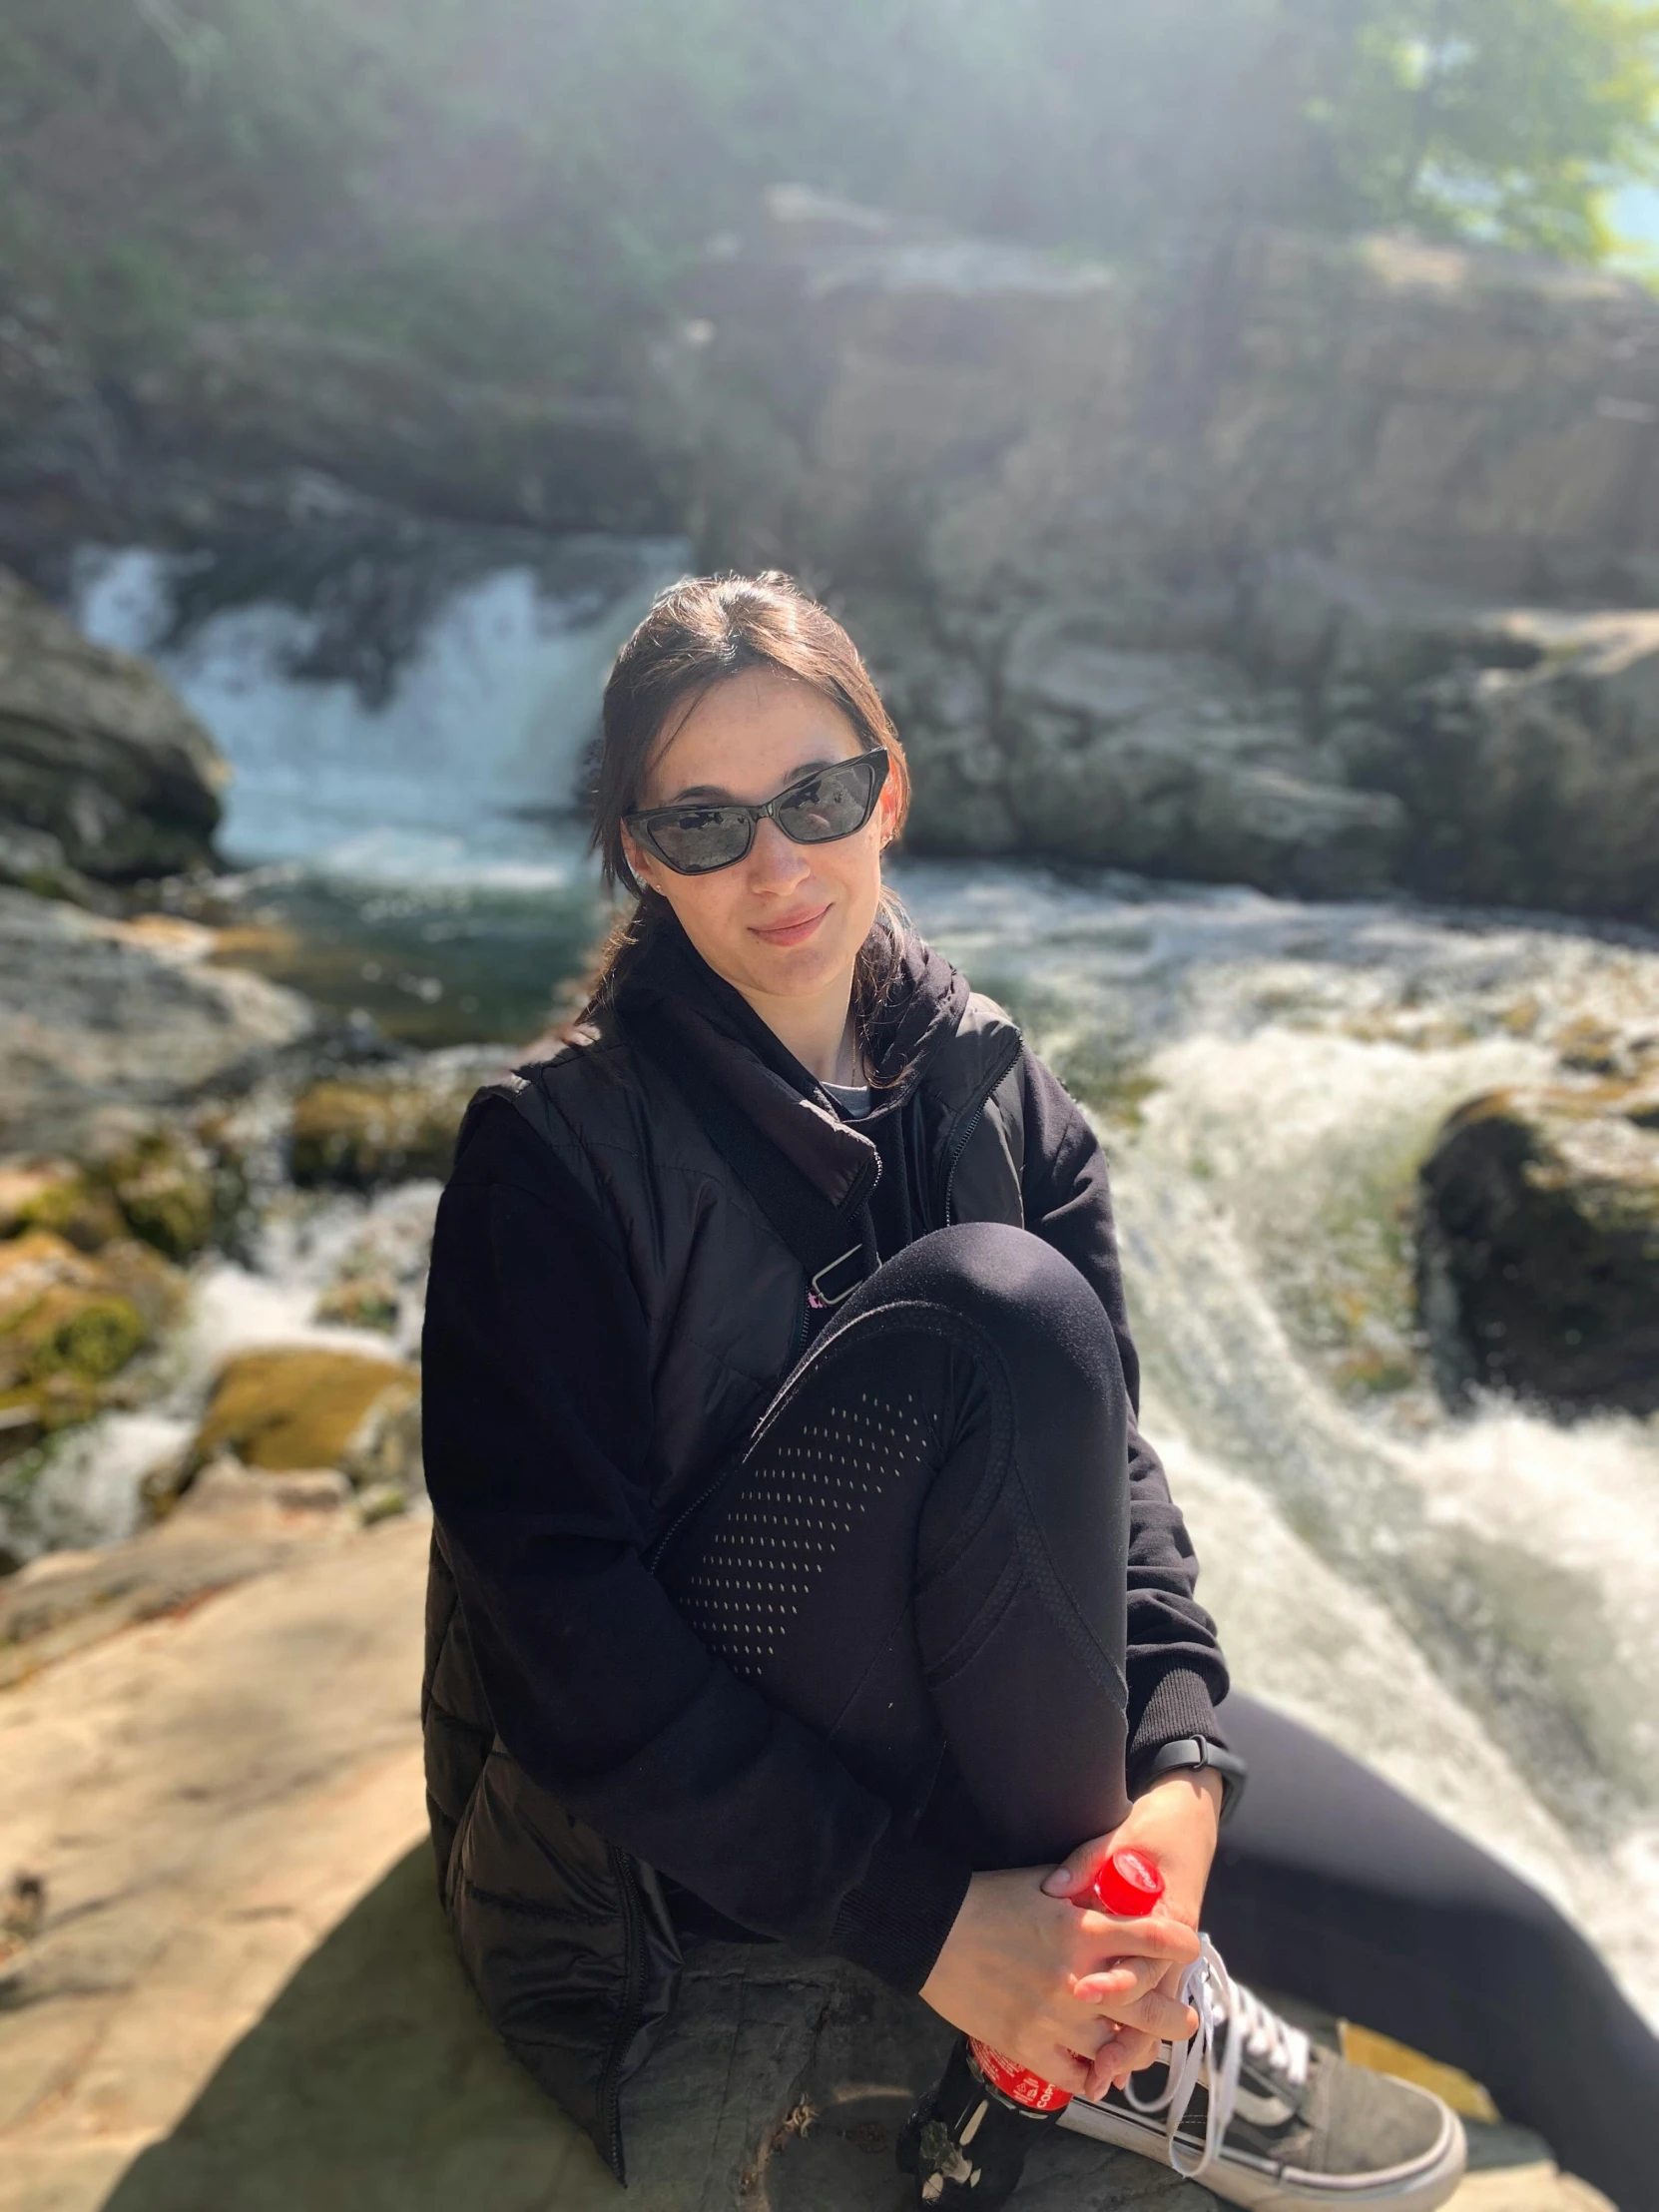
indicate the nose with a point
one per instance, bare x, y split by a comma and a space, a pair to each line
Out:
775, 862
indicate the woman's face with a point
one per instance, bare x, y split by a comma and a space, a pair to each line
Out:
787, 920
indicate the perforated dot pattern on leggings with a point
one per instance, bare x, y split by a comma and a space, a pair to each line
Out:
790, 1506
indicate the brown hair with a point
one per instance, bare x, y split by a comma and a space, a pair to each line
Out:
700, 632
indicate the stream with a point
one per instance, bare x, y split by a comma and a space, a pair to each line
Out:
1471, 1603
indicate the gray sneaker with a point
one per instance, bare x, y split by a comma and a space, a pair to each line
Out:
1265, 2117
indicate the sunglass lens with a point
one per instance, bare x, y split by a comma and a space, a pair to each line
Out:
698, 839
832, 805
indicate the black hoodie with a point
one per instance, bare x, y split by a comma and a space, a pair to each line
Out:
536, 1358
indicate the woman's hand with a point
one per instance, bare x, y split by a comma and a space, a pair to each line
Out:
1175, 1824
1016, 1959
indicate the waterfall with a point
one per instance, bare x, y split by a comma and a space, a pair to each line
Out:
454, 774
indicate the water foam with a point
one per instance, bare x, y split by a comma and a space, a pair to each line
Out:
1470, 1604
488, 717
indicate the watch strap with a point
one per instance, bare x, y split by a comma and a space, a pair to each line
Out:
1190, 1754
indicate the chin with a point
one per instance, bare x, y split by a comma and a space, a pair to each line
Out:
789, 969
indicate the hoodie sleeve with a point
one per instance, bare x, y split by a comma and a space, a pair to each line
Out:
1177, 1675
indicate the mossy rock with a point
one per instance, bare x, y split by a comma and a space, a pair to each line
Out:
59, 1196
305, 1406
362, 1302
381, 1126
138, 1178
1538, 1268
163, 1181
83, 1334
70, 1323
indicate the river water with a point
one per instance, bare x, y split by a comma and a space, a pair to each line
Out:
1469, 1602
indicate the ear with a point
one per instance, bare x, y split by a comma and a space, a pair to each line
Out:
639, 861
886, 809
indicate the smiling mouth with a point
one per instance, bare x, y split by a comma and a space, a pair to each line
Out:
792, 932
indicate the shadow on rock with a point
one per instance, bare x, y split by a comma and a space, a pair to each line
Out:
373, 2081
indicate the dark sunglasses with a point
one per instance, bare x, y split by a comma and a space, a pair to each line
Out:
700, 836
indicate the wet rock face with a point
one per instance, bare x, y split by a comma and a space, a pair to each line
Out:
217, 440
100, 763
1519, 744
1540, 1245
265, 394
1163, 762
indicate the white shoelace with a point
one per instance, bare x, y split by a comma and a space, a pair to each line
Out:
1251, 2027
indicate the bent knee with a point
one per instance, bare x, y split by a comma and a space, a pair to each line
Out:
1026, 1297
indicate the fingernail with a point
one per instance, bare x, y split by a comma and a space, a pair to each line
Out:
1058, 1883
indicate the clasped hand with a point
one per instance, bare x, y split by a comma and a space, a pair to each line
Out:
1081, 1996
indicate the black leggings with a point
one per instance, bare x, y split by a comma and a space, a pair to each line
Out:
922, 1553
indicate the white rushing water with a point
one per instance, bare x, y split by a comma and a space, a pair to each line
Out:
1471, 1603
486, 720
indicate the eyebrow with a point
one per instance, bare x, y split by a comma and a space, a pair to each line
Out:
719, 791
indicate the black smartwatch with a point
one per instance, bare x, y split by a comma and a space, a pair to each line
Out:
1190, 1752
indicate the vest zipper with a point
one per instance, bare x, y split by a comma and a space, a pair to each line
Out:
969, 1117
966, 1122
633, 2008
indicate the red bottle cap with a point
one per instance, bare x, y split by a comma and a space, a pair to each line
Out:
1128, 1885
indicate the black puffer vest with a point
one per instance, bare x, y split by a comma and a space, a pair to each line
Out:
567, 1940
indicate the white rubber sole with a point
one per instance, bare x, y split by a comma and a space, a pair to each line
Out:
1418, 2187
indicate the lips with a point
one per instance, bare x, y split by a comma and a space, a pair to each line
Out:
796, 931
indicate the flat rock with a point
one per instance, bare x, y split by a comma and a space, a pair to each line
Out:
231, 1525
242, 1997
97, 1013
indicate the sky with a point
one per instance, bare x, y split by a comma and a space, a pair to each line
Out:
1636, 219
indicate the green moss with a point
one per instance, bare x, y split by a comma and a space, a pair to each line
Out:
298, 1408
360, 1302
366, 1130
86, 1335
1115, 1094
55, 1195
165, 1189
1346, 1279
71, 1327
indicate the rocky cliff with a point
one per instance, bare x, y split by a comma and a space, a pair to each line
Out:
1315, 564
1324, 564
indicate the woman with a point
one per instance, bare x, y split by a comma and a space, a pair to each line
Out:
800, 1569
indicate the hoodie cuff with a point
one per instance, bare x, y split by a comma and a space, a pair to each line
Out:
896, 1920
1179, 1705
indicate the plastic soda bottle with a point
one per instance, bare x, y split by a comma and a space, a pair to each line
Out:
1128, 1885
967, 2142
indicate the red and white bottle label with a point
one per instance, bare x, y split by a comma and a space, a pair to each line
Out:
1018, 2083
